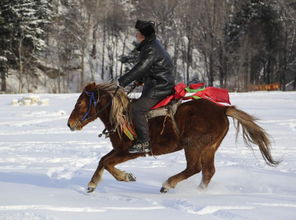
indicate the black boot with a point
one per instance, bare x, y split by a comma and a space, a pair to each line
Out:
140, 147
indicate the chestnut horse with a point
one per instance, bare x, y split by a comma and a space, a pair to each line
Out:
202, 125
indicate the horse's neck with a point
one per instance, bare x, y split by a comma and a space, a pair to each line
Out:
116, 140
105, 118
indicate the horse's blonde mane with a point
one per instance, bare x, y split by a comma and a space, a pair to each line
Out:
119, 115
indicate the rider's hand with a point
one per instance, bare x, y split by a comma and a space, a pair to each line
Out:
138, 83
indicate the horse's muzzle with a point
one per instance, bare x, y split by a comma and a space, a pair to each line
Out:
74, 125
72, 128
68, 124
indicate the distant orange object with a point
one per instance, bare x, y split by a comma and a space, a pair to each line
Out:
266, 87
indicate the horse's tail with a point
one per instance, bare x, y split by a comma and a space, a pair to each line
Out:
252, 133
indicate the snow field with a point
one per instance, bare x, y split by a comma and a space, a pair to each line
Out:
44, 168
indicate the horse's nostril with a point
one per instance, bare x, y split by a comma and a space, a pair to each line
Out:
72, 127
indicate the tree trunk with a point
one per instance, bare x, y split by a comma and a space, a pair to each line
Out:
3, 79
103, 53
122, 54
176, 54
222, 65
211, 69
82, 69
188, 59
268, 71
59, 81
20, 66
206, 65
283, 67
110, 53
116, 52
247, 73
59, 77
93, 54
212, 29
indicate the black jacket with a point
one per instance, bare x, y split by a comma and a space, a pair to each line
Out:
154, 69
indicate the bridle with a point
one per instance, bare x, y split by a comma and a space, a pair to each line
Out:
93, 101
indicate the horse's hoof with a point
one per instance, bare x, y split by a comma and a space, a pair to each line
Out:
164, 190
90, 189
130, 177
202, 186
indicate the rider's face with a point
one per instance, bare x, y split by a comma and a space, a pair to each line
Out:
140, 37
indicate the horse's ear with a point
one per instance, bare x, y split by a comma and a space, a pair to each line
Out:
91, 87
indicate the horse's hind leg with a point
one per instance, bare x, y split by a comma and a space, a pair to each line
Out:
208, 166
208, 161
97, 176
193, 166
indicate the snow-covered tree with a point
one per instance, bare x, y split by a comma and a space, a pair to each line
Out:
24, 20
231, 43
4, 42
255, 35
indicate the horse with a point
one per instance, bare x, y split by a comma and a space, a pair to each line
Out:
202, 125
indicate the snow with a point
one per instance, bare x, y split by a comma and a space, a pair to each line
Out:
3, 59
44, 169
30, 100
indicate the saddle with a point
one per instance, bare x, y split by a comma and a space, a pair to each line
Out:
167, 111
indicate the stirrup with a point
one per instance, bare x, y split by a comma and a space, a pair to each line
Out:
140, 148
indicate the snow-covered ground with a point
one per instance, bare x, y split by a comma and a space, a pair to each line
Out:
44, 169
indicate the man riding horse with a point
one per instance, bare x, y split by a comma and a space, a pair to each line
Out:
154, 69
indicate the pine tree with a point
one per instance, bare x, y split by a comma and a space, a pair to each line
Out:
44, 13
255, 35
5, 30
24, 35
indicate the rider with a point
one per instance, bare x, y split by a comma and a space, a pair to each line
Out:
154, 69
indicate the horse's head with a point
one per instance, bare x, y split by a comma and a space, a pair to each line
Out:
99, 101
85, 109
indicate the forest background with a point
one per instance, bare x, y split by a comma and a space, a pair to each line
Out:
58, 46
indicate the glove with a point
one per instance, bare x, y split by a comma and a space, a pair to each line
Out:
138, 83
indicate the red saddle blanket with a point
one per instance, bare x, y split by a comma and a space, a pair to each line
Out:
216, 95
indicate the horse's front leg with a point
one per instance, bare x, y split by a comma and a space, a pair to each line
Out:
117, 158
108, 162
97, 176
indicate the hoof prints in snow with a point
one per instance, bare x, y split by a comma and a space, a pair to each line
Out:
73, 209
46, 168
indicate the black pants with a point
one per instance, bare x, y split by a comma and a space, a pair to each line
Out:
139, 110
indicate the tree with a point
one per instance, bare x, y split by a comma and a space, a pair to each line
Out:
25, 33
4, 36
256, 35
287, 72
231, 43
